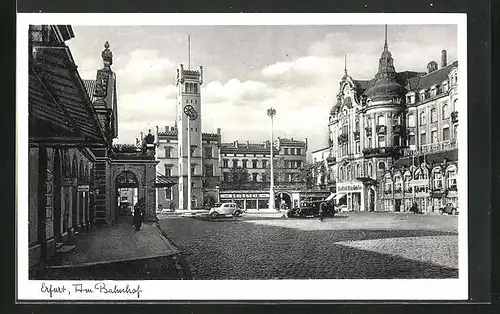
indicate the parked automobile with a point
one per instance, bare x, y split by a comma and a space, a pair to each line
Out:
225, 209
311, 208
448, 209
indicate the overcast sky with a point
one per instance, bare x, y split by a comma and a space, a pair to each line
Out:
247, 69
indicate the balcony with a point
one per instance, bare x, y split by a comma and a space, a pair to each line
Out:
381, 129
397, 129
454, 116
342, 138
382, 151
331, 160
368, 130
437, 147
356, 135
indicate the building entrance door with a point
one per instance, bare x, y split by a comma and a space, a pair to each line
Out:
397, 205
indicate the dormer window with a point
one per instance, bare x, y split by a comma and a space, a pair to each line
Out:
410, 98
422, 95
433, 91
444, 86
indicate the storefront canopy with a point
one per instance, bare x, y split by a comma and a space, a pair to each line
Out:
163, 182
60, 111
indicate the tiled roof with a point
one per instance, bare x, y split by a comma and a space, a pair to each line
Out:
436, 77
291, 142
243, 148
90, 85
435, 158
168, 133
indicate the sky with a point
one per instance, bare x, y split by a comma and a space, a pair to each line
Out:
247, 69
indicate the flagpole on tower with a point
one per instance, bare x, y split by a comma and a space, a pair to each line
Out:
189, 52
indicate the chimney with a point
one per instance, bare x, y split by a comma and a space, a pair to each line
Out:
266, 144
166, 128
219, 137
235, 143
444, 59
157, 138
142, 136
248, 144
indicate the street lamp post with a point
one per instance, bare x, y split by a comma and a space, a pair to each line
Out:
271, 112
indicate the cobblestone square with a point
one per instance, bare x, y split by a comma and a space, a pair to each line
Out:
352, 245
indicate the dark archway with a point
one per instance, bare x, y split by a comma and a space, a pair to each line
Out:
283, 196
74, 196
56, 194
127, 193
208, 201
42, 201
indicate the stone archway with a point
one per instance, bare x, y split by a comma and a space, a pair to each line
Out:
127, 191
283, 196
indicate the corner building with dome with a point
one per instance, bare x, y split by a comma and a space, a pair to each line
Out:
393, 139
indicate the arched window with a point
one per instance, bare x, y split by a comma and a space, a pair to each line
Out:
446, 132
370, 170
433, 115
341, 174
407, 179
381, 120
395, 119
411, 120
422, 118
425, 174
398, 183
437, 178
381, 165
388, 184
444, 111
369, 121
195, 88
451, 178
349, 173
357, 126
186, 88
358, 170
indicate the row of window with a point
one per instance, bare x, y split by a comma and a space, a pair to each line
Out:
191, 88
244, 163
285, 177
439, 181
381, 140
208, 170
292, 151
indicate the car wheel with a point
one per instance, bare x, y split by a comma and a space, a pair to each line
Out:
454, 212
214, 215
237, 213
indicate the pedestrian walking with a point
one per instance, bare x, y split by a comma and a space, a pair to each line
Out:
322, 209
139, 211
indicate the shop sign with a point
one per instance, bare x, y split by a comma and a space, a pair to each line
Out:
418, 182
83, 188
350, 187
244, 195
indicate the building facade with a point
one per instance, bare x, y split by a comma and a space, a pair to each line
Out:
379, 125
172, 150
252, 193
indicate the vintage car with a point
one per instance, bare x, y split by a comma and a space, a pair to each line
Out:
448, 209
312, 208
225, 209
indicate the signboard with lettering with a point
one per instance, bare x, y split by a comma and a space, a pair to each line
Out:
244, 195
83, 188
349, 187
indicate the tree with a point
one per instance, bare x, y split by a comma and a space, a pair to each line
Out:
239, 176
306, 174
278, 169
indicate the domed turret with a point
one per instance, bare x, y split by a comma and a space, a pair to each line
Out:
385, 87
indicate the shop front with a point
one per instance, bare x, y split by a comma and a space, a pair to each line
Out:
354, 192
251, 200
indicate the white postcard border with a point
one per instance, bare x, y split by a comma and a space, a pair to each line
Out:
324, 289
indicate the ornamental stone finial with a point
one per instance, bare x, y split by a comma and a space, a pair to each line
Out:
107, 55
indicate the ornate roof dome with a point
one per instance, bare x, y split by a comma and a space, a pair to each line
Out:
385, 86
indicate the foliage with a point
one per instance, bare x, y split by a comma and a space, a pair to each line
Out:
278, 169
239, 175
306, 174
124, 148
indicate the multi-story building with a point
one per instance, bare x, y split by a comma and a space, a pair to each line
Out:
172, 150
289, 158
320, 163
391, 132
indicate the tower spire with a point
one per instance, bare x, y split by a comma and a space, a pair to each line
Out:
385, 43
189, 52
345, 64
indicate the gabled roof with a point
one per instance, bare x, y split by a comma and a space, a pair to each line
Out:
291, 142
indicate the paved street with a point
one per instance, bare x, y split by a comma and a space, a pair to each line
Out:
351, 245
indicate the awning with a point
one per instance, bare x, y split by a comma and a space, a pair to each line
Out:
163, 181
60, 111
341, 198
331, 196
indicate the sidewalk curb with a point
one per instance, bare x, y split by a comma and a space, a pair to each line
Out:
180, 262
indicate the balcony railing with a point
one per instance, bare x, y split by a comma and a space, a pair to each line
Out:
382, 151
397, 129
343, 138
381, 129
454, 116
437, 147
